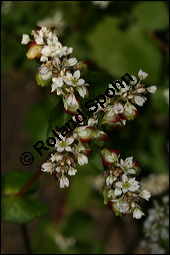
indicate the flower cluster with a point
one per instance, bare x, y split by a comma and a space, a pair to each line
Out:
57, 68
63, 161
122, 191
71, 150
156, 183
120, 108
156, 227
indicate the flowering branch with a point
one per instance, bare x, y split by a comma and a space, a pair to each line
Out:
64, 74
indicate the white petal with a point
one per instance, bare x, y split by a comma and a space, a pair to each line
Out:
137, 213
80, 82
70, 140
152, 89
124, 178
77, 74
60, 149
119, 184
25, 39
68, 148
142, 75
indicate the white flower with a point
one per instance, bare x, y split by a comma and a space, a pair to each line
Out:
25, 39
129, 108
142, 75
139, 100
70, 62
72, 101
110, 179
72, 171
145, 194
128, 184
57, 83
124, 207
118, 108
92, 122
84, 132
39, 40
82, 159
113, 157
64, 145
43, 59
152, 89
134, 80
64, 182
45, 72
82, 91
46, 51
117, 192
47, 167
56, 157
127, 165
74, 79
137, 213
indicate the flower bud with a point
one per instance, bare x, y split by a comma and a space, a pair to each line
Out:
34, 51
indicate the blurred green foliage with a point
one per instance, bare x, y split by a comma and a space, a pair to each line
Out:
124, 37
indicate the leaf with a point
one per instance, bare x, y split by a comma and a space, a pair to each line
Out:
14, 181
159, 18
118, 52
21, 210
58, 117
96, 160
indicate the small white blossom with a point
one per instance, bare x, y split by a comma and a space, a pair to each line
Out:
57, 83
71, 62
39, 40
110, 179
127, 165
82, 159
47, 167
142, 75
137, 213
128, 184
72, 171
64, 182
139, 100
64, 144
152, 89
25, 39
74, 79
145, 194
118, 108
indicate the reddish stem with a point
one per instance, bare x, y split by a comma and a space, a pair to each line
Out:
29, 183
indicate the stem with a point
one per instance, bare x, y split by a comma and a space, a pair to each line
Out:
29, 183
26, 238
161, 44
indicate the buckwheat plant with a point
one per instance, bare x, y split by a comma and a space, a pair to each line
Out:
65, 77
156, 227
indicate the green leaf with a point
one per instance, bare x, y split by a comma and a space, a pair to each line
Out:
96, 160
159, 18
14, 181
58, 117
21, 210
118, 52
